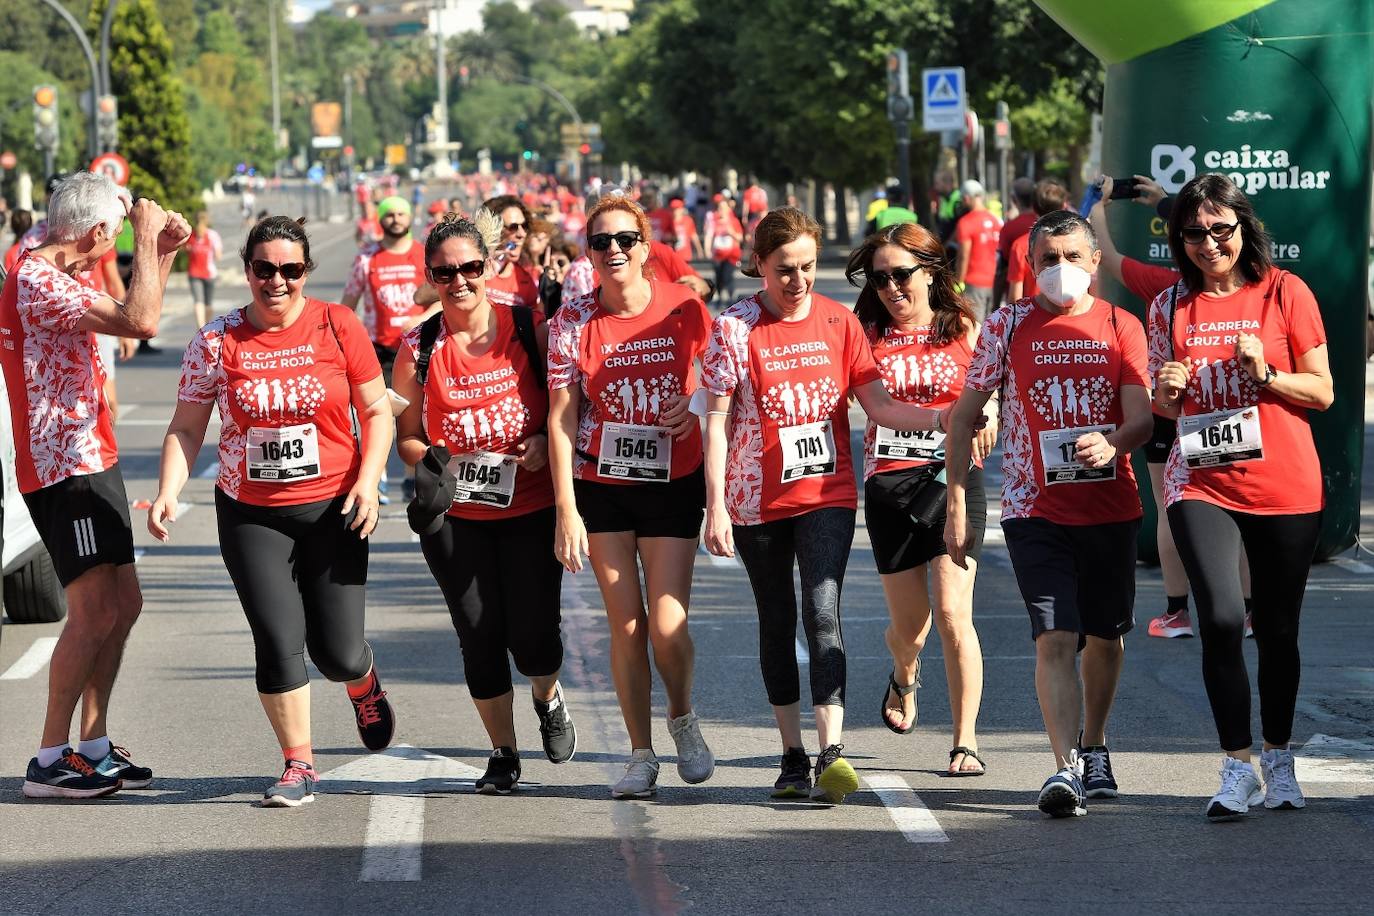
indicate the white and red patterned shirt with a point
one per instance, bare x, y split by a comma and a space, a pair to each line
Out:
358, 288
290, 388
55, 377
578, 280
1063, 376
628, 368
789, 422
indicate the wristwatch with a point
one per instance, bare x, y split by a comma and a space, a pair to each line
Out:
1269, 375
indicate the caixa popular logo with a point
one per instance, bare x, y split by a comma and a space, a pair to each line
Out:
1252, 169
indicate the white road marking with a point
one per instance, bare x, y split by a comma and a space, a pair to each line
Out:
397, 779
32, 661
713, 560
1349, 564
126, 409
908, 812
1325, 758
803, 657
210, 472
140, 553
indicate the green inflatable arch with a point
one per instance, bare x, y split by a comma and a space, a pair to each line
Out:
1276, 94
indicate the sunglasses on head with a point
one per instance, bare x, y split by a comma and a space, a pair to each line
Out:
1220, 232
602, 240
445, 273
899, 275
266, 270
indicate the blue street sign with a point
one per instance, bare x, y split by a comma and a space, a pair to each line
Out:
943, 97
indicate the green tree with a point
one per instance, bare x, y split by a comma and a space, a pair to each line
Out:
18, 76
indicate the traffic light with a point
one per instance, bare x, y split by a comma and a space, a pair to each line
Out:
899, 105
45, 120
527, 155
464, 75
585, 149
107, 122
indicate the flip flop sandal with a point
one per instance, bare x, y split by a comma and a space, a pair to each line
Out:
967, 754
902, 692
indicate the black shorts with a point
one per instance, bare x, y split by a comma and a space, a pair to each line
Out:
84, 522
651, 510
1079, 578
901, 543
1161, 441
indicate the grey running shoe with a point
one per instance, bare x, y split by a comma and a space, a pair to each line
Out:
1281, 788
1240, 789
695, 762
641, 776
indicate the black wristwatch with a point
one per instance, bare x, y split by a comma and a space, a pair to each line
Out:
1269, 376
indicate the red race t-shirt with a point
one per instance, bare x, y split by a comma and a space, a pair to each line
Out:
517, 289
1015, 228
1018, 270
391, 283
789, 423
1146, 281
1239, 446
916, 370
202, 251
286, 434
1063, 379
627, 368
482, 407
980, 229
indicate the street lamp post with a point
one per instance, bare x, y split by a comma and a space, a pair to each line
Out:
93, 129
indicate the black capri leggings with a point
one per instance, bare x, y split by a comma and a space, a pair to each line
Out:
818, 542
1280, 548
301, 576
502, 585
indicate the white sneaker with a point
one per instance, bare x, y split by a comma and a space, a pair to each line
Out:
641, 776
695, 762
1239, 790
1280, 784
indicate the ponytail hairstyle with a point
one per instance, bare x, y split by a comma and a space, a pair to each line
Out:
483, 230
953, 315
277, 228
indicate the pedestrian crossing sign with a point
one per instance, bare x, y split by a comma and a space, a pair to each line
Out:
944, 98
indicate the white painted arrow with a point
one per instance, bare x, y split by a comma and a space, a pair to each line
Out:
398, 780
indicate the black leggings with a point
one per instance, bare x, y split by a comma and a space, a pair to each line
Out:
502, 585
1280, 548
301, 576
725, 281
819, 543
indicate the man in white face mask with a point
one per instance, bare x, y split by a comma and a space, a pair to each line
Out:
1075, 402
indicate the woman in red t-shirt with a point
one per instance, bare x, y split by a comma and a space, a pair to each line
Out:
626, 458
204, 249
922, 333
478, 415
780, 483
297, 495
510, 282
1239, 359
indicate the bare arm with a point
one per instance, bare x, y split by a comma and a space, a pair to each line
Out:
158, 235
426, 295
570, 535
885, 410
720, 539
1310, 386
1097, 217
411, 442
965, 252
185, 435
962, 421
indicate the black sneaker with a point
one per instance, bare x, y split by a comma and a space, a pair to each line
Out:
376, 723
795, 780
556, 727
1062, 794
1098, 780
503, 773
295, 788
835, 777
118, 765
70, 776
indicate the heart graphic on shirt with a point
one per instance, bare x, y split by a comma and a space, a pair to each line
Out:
921, 379
1065, 402
274, 399
639, 400
1222, 385
494, 426
790, 403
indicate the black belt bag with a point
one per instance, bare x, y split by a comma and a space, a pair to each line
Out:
918, 492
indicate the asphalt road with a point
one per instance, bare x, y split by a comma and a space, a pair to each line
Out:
403, 831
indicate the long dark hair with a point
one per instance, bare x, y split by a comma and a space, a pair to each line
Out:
1218, 191
953, 314
277, 228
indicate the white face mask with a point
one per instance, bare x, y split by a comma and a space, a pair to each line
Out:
1063, 283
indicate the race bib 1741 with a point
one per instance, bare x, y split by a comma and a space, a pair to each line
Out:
808, 450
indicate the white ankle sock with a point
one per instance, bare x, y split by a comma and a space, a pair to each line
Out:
94, 749
47, 756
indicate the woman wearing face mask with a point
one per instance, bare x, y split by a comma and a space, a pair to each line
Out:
779, 481
1074, 403
1240, 358
922, 334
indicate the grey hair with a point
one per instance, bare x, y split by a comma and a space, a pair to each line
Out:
83, 201
1061, 222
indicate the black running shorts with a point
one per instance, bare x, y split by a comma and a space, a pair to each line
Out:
651, 510
901, 543
84, 522
1161, 441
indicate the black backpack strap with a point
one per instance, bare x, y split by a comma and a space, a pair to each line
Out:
524, 329
429, 333
1173, 307
1006, 352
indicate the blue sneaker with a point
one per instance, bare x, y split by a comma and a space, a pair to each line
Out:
118, 765
1098, 779
1062, 794
70, 776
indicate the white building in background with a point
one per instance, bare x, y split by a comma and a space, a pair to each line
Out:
391, 18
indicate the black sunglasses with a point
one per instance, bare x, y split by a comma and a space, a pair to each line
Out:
511, 227
445, 273
602, 240
899, 275
266, 270
1195, 235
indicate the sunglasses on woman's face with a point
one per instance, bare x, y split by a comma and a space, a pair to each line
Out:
266, 270
879, 279
602, 240
513, 228
1220, 232
445, 273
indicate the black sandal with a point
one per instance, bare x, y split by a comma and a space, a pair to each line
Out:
967, 754
902, 692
